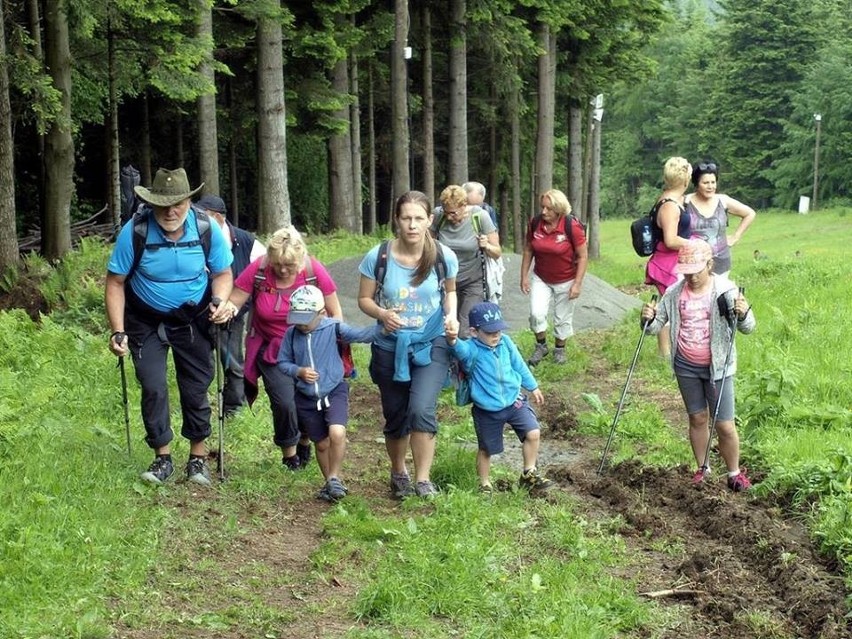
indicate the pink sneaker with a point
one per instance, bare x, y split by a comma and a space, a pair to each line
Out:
699, 476
739, 483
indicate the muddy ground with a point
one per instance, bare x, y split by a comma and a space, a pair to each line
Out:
720, 560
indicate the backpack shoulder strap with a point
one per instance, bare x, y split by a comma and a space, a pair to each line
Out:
381, 268
202, 221
140, 237
440, 265
260, 276
310, 277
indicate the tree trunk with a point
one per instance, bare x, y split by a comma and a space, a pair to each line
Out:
575, 158
428, 108
594, 212
145, 170
372, 223
180, 161
341, 195
546, 110
493, 153
399, 102
587, 171
208, 140
9, 238
59, 145
458, 94
234, 209
355, 121
515, 117
34, 17
113, 144
273, 195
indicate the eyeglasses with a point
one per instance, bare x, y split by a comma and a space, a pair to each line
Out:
707, 167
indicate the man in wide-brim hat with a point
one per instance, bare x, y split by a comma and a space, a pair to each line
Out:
160, 296
169, 197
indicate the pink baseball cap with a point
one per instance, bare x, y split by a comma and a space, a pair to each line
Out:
693, 256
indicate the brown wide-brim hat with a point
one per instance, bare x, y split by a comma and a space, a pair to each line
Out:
169, 188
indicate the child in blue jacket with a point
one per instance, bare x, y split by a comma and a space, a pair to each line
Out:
497, 372
309, 353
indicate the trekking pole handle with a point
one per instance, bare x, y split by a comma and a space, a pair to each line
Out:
119, 337
648, 322
215, 301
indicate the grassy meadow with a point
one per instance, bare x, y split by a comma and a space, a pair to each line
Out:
86, 548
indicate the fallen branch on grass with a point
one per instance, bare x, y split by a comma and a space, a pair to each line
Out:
671, 592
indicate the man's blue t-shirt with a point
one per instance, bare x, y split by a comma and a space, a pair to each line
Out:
173, 275
414, 304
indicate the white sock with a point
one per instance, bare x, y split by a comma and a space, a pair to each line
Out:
733, 473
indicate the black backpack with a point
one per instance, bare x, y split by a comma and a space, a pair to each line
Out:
644, 231
140, 237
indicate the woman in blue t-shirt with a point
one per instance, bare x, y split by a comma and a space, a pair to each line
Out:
402, 288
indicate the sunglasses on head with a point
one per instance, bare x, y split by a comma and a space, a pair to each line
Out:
707, 167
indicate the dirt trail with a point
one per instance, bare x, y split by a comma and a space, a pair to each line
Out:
740, 567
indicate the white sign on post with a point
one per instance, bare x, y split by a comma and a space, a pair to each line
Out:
804, 204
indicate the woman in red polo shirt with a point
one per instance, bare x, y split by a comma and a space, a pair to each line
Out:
557, 244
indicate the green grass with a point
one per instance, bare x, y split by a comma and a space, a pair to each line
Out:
85, 547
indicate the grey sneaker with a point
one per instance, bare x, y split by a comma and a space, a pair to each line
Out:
336, 489
425, 489
159, 470
400, 485
197, 471
559, 355
538, 354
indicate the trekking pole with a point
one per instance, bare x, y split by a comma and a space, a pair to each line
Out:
118, 340
220, 394
732, 323
624, 390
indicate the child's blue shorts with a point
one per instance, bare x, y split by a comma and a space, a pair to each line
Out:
315, 416
489, 424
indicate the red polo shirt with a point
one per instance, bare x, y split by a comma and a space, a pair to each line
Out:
553, 250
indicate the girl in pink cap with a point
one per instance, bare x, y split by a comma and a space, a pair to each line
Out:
703, 311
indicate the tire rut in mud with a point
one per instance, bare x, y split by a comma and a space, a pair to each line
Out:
742, 557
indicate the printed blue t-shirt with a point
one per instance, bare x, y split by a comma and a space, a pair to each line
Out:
414, 304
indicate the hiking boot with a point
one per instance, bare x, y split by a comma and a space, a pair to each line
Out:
291, 463
534, 481
323, 494
159, 470
559, 355
303, 452
425, 489
335, 488
197, 471
486, 489
538, 354
400, 485
739, 483
700, 475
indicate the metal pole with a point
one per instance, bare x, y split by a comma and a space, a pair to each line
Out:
818, 118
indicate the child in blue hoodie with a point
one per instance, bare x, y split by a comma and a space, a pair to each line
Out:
309, 353
497, 372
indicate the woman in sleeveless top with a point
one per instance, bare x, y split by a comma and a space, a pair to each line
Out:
674, 226
708, 215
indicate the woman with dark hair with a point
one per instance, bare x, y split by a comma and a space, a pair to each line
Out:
408, 284
708, 215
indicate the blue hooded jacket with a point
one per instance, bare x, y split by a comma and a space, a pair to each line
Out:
318, 350
496, 374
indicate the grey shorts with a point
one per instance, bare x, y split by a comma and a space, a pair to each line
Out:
701, 394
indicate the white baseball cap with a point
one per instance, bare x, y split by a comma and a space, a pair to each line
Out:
306, 302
